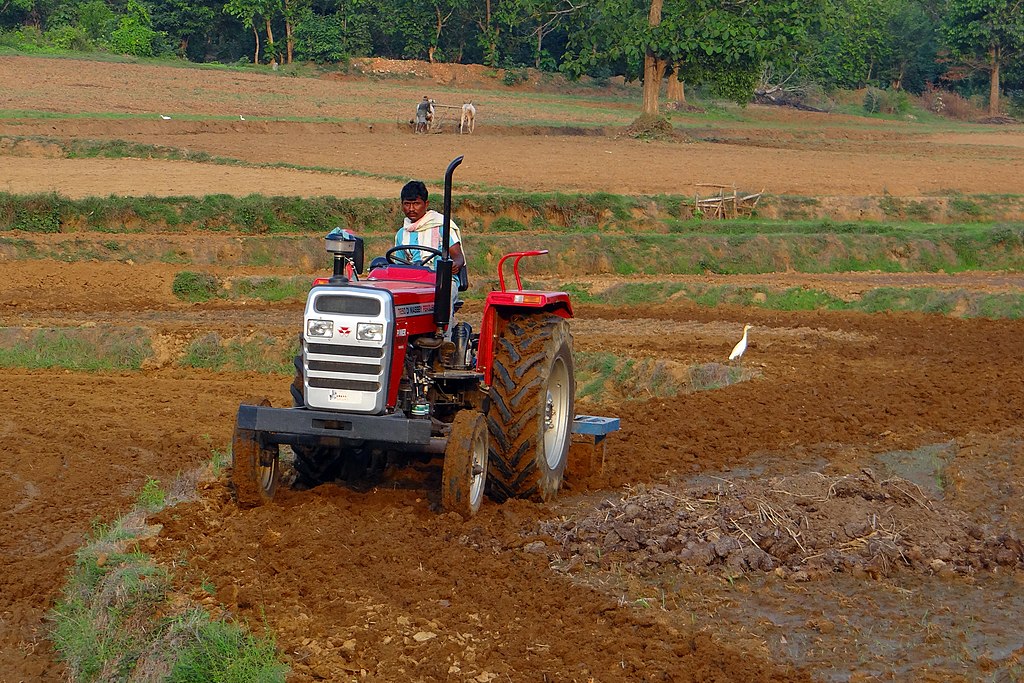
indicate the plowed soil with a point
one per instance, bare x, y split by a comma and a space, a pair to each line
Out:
852, 512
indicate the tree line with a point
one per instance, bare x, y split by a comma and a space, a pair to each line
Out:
726, 46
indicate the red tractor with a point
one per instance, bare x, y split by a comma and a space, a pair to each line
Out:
384, 378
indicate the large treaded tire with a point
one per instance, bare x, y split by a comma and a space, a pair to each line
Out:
532, 402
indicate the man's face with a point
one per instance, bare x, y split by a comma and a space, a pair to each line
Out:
414, 209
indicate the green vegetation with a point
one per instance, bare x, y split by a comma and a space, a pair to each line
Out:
116, 618
265, 354
226, 653
602, 375
270, 288
152, 497
101, 348
192, 286
198, 287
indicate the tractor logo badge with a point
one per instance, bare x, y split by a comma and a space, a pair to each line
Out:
344, 330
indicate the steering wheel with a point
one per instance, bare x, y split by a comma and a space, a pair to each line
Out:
392, 254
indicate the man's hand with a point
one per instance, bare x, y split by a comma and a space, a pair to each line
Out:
458, 259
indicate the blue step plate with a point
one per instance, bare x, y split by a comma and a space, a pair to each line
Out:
594, 425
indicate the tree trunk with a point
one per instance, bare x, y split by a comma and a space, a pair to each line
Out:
654, 68
540, 41
654, 71
270, 39
256, 35
676, 92
289, 39
438, 25
993, 86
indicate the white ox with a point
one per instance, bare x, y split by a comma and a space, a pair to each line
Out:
468, 120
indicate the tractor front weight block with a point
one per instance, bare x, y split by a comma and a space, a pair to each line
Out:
294, 426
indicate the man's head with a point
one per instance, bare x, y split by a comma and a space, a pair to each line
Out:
415, 200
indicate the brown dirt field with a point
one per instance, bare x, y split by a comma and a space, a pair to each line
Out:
891, 446
781, 151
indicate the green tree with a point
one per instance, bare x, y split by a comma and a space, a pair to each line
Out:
134, 34
723, 44
252, 13
986, 35
910, 59
183, 20
97, 20
850, 41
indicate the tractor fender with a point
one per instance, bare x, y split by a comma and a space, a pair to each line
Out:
501, 306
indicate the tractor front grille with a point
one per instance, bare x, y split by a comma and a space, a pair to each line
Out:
344, 373
344, 350
354, 385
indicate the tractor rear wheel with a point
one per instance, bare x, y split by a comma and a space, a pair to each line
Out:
532, 401
255, 468
465, 464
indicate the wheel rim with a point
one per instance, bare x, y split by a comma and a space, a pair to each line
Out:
265, 475
556, 413
478, 468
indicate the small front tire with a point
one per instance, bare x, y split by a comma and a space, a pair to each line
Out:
255, 468
464, 474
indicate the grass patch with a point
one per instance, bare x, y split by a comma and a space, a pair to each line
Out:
265, 354
225, 653
74, 349
195, 287
710, 376
116, 619
270, 288
604, 376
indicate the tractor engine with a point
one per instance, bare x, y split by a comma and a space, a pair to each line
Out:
374, 346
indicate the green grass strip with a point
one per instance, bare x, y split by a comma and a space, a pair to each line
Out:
115, 618
89, 349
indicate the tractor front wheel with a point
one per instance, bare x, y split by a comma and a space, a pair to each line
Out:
532, 401
255, 468
465, 464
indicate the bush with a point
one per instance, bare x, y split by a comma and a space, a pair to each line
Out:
873, 101
515, 76
878, 101
960, 108
192, 286
134, 34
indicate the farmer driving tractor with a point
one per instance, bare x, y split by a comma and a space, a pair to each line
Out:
422, 228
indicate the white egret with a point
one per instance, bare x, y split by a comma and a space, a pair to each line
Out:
741, 345
241, 117
165, 118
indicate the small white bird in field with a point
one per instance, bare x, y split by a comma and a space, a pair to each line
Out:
165, 118
241, 117
741, 345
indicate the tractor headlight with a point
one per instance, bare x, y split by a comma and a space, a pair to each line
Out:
323, 329
370, 332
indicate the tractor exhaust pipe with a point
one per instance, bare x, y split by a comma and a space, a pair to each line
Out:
443, 283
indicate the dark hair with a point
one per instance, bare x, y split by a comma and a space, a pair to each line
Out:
413, 190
